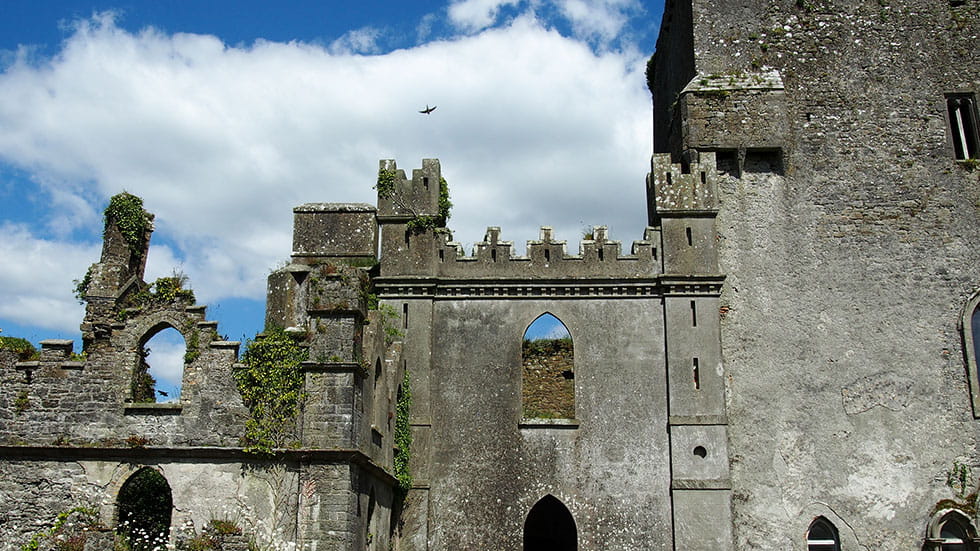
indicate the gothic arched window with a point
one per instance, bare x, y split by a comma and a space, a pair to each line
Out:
970, 324
159, 372
951, 530
822, 536
547, 370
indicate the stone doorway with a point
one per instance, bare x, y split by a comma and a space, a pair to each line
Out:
550, 527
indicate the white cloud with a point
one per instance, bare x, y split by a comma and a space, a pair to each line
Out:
36, 277
358, 41
166, 361
600, 20
221, 142
476, 15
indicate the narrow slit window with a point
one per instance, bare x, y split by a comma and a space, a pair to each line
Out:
704, 177
962, 112
405, 316
600, 254
690, 239
442, 255
493, 255
547, 255
697, 375
408, 238
694, 314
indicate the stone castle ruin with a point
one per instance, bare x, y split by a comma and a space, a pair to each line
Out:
784, 360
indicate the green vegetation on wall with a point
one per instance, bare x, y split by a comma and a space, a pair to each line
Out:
165, 290
271, 385
66, 535
22, 347
418, 223
125, 210
403, 437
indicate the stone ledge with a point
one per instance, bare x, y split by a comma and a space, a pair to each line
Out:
683, 420
150, 408
548, 424
689, 484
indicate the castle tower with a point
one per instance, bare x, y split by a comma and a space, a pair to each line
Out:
683, 204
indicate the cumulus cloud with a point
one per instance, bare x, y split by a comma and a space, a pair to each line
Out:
598, 20
36, 278
476, 15
358, 41
166, 361
532, 129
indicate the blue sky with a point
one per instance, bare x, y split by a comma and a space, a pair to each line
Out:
223, 115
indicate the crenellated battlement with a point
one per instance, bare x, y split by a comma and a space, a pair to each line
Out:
676, 189
401, 198
546, 257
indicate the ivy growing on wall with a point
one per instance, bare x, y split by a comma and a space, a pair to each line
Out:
271, 385
403, 437
418, 223
165, 290
126, 211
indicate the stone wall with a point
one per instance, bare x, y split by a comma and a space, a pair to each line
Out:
847, 267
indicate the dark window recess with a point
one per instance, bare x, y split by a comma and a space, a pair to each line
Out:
690, 241
822, 536
697, 375
962, 112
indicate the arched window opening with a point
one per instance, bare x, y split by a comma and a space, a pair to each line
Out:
975, 337
550, 527
548, 371
970, 322
159, 369
951, 531
822, 536
144, 508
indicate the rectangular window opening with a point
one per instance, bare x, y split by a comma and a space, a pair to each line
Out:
962, 112
442, 255
670, 179
425, 182
694, 314
704, 177
493, 255
690, 241
408, 236
547, 255
405, 315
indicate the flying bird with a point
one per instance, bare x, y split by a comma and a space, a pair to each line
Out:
428, 109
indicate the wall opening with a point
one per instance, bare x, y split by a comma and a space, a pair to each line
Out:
951, 530
159, 372
550, 527
548, 372
143, 510
970, 325
962, 112
822, 536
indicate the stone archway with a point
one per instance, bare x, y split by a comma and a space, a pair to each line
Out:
143, 510
550, 527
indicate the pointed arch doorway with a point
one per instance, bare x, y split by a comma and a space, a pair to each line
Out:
550, 527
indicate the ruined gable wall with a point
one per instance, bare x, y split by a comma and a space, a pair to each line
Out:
847, 270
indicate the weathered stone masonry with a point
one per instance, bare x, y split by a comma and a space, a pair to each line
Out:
784, 360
